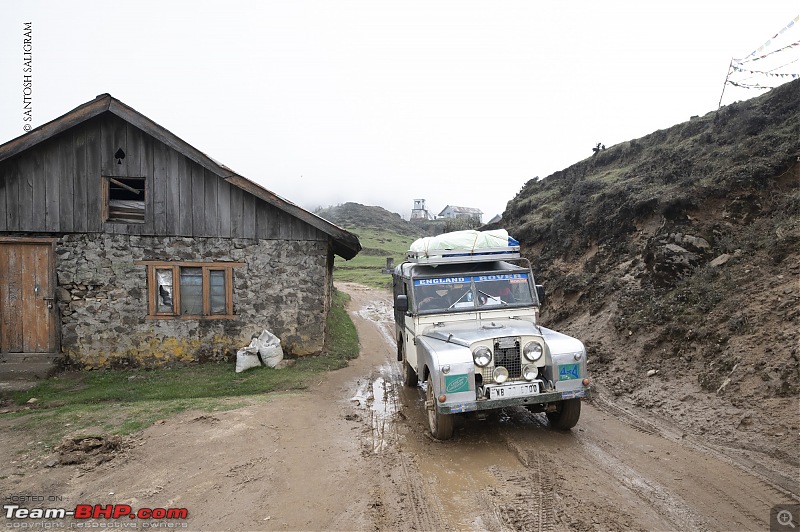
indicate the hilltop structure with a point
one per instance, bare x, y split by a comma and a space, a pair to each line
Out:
453, 211
419, 212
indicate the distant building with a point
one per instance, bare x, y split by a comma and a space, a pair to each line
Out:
419, 212
496, 219
452, 211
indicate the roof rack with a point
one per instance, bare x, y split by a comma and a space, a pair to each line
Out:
446, 256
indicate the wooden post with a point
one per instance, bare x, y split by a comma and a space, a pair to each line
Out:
727, 76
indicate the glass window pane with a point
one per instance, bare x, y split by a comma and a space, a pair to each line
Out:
192, 291
164, 291
217, 291
443, 294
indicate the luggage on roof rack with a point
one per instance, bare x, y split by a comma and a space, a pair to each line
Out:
464, 246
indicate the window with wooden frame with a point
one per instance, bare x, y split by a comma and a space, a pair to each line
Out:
190, 289
123, 199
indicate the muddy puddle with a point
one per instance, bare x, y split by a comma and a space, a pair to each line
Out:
377, 398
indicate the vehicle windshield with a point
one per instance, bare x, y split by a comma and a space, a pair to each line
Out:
442, 294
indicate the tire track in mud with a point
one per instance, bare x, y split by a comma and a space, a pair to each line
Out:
399, 497
618, 470
670, 506
526, 499
418, 509
777, 480
424, 509
564, 482
630, 419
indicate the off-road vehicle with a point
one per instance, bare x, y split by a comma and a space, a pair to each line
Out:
466, 314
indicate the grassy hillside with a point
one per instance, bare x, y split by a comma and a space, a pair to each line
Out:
382, 234
367, 267
361, 217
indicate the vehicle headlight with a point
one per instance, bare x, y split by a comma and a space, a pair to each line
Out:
500, 374
533, 351
482, 356
530, 372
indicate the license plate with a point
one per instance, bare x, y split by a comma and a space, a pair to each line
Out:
513, 390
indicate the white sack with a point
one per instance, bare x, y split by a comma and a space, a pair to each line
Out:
247, 357
269, 348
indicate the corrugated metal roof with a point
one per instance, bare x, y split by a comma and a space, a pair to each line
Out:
461, 210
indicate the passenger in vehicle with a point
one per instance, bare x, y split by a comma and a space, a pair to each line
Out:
494, 293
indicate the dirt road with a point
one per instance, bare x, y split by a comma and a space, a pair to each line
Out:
353, 453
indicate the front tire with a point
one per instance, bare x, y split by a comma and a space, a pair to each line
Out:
441, 425
567, 415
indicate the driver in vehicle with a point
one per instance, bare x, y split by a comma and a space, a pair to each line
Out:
433, 297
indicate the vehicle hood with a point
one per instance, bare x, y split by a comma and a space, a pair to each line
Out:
468, 333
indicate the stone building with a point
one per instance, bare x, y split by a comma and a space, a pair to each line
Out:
121, 244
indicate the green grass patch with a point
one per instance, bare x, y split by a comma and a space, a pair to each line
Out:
367, 268
342, 344
122, 402
191, 382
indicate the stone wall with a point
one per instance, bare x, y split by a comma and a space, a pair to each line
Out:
102, 296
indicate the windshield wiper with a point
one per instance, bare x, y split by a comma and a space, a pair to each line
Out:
459, 299
493, 298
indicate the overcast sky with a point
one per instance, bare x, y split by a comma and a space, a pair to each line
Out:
383, 102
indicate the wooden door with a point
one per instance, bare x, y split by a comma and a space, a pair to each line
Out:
27, 306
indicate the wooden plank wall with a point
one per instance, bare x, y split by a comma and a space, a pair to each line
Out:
55, 187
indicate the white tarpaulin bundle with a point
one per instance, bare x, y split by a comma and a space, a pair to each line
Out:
462, 240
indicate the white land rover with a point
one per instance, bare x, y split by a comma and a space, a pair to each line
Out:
466, 309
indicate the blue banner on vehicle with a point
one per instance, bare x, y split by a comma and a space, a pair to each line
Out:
500, 277
441, 280
477, 278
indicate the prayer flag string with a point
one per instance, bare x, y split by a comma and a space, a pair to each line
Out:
787, 47
772, 74
783, 30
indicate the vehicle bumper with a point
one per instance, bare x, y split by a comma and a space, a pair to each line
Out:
493, 404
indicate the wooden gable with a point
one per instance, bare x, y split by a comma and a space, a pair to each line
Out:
52, 181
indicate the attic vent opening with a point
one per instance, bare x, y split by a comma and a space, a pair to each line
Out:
125, 199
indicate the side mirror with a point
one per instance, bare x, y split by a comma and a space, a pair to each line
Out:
540, 294
401, 303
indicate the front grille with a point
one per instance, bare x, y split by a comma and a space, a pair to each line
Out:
508, 356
